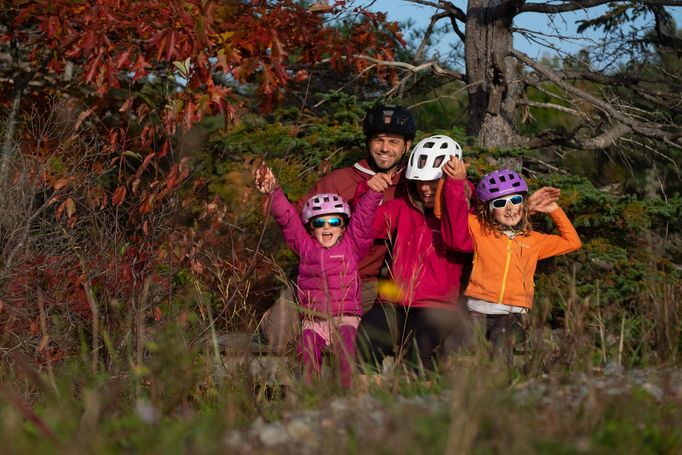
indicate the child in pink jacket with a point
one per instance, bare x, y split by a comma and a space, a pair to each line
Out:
421, 307
329, 242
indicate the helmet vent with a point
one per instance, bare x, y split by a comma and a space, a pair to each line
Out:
438, 161
429, 145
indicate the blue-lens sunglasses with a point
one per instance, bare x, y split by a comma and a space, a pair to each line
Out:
502, 202
319, 223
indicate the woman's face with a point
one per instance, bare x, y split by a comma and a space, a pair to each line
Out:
427, 192
507, 210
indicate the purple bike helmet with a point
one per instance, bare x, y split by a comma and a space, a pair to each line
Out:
324, 204
500, 183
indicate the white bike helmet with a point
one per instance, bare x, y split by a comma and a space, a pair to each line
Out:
429, 155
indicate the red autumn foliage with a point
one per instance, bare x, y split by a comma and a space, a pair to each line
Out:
114, 167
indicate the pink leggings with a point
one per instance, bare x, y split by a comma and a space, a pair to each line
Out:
312, 345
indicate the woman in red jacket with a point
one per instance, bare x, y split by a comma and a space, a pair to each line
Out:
420, 306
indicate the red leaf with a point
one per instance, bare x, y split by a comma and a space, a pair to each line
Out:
301, 75
82, 116
127, 105
123, 59
118, 196
94, 66
70, 206
145, 163
59, 184
147, 203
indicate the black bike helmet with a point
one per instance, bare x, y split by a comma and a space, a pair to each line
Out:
389, 118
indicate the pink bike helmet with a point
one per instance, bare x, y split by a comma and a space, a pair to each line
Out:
324, 204
500, 183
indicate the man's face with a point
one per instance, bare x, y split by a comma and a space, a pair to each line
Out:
387, 149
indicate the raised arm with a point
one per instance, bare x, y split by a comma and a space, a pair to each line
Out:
540, 200
282, 210
360, 231
566, 241
457, 191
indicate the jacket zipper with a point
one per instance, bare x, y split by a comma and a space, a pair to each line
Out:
506, 270
326, 305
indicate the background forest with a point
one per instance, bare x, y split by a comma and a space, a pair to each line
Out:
134, 250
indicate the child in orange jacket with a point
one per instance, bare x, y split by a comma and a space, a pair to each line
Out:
506, 252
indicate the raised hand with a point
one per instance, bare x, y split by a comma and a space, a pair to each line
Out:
379, 182
455, 168
266, 182
543, 200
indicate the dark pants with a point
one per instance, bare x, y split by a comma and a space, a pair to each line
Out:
407, 333
504, 331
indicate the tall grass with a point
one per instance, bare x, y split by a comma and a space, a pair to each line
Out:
564, 393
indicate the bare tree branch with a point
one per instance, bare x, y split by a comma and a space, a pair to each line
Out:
419, 55
582, 4
556, 107
600, 78
605, 139
652, 130
430, 65
448, 7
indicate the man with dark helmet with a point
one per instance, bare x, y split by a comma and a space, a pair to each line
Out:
389, 131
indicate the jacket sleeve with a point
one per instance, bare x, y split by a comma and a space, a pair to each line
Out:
360, 230
288, 218
454, 227
386, 219
565, 242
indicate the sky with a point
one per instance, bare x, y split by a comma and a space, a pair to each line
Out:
401, 11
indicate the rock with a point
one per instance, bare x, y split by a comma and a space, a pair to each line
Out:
298, 429
613, 368
235, 440
654, 390
339, 405
273, 434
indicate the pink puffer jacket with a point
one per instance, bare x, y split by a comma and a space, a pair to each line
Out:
328, 278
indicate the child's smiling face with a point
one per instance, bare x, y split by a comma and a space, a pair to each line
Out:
327, 229
508, 210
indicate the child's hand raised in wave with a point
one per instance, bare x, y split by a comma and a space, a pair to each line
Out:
379, 182
455, 168
266, 182
543, 200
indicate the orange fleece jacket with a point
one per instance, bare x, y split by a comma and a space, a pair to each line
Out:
503, 268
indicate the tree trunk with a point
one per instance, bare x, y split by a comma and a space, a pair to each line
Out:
493, 77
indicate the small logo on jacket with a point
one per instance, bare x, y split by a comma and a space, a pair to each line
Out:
337, 256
